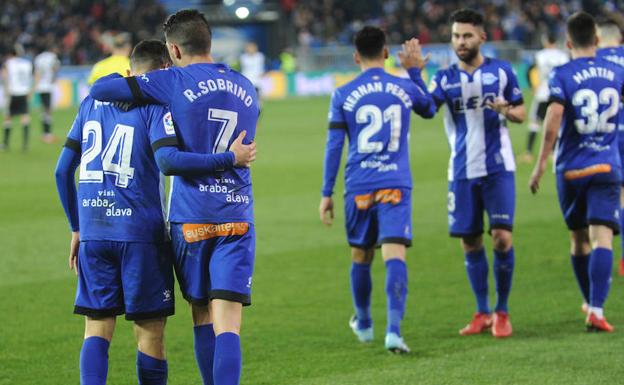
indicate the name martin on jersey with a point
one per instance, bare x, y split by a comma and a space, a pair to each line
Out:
593, 72
213, 85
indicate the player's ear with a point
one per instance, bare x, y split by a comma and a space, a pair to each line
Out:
386, 53
596, 40
356, 58
568, 44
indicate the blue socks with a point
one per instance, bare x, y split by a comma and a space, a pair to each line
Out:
600, 265
580, 264
227, 359
150, 370
477, 269
396, 290
204, 351
94, 361
361, 287
503, 272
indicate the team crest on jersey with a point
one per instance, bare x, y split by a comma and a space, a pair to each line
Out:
488, 79
168, 124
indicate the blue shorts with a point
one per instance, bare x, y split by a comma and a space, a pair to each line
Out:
379, 216
214, 261
590, 200
134, 278
468, 198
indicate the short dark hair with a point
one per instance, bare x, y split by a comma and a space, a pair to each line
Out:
582, 29
151, 54
189, 29
468, 16
550, 36
369, 42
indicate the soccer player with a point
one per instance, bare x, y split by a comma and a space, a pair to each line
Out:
585, 96
374, 110
252, 64
124, 259
211, 217
609, 41
17, 75
117, 62
47, 66
481, 94
545, 60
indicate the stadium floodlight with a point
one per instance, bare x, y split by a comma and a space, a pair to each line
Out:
242, 12
229, 3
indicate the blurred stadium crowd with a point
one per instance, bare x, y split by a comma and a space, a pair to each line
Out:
336, 21
82, 31
77, 29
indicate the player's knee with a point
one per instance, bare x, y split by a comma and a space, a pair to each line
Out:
471, 244
201, 314
99, 327
362, 256
580, 244
501, 239
393, 251
601, 236
150, 337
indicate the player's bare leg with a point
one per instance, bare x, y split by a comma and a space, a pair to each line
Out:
94, 352
7, 133
150, 336
504, 261
600, 265
580, 250
396, 290
227, 316
25, 120
361, 287
477, 270
48, 137
204, 340
151, 360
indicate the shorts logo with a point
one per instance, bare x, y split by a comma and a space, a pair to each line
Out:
365, 201
200, 232
167, 295
249, 283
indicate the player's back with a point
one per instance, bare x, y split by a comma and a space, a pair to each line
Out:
212, 105
376, 108
19, 75
46, 64
545, 61
120, 190
590, 90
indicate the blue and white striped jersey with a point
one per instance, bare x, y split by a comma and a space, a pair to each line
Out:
478, 136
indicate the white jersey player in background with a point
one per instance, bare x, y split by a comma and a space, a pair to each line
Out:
545, 60
17, 75
47, 66
252, 64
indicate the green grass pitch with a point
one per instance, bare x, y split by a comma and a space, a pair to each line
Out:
296, 332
